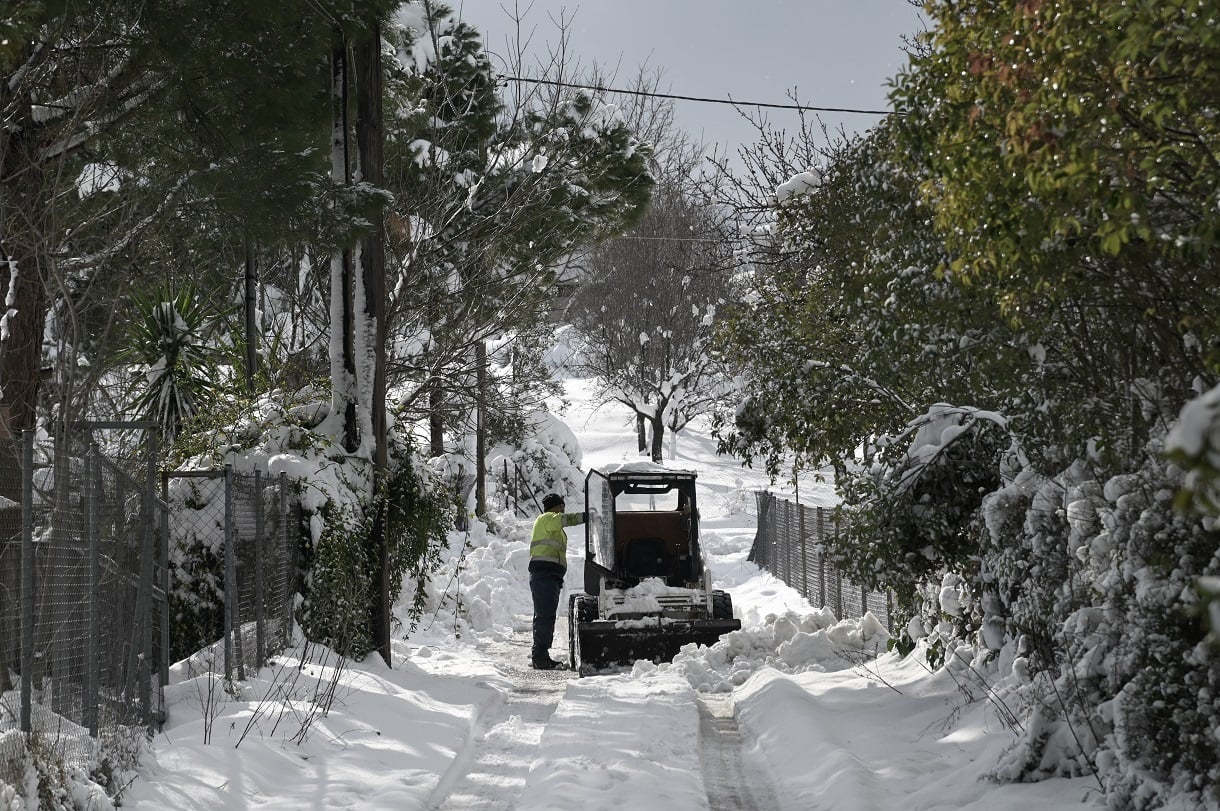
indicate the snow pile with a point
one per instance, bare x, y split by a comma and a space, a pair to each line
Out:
547, 461
645, 598
481, 585
789, 643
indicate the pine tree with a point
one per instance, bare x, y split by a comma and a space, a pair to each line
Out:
488, 201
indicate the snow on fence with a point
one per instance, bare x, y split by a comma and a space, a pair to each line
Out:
250, 524
789, 544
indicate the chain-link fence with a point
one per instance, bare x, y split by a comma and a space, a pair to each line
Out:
789, 544
83, 617
232, 534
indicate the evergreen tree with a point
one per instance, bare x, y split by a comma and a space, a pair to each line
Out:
488, 202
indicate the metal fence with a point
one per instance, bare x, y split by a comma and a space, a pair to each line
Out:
94, 564
247, 526
516, 493
83, 613
789, 544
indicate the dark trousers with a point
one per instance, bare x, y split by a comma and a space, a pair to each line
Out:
546, 581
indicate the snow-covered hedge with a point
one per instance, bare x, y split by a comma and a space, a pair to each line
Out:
1082, 589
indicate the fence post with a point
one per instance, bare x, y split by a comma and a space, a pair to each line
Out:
230, 573
287, 564
93, 492
147, 552
166, 653
766, 517
821, 558
838, 595
27, 579
838, 582
260, 643
804, 554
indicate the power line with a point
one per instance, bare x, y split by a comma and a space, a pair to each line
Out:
703, 99
667, 239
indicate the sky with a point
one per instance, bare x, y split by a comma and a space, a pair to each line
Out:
832, 53
794, 712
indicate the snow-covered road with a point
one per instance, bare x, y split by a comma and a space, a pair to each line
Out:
491, 774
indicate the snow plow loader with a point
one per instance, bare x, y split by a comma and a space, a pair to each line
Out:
647, 590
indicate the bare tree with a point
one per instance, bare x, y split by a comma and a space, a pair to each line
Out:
646, 313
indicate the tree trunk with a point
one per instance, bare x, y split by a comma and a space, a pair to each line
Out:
251, 320
480, 430
436, 422
21, 351
342, 272
23, 272
641, 433
372, 268
658, 438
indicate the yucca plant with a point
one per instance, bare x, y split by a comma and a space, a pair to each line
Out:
169, 338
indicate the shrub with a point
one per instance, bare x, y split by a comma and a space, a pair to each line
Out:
341, 571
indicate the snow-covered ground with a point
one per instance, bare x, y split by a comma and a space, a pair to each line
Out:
796, 702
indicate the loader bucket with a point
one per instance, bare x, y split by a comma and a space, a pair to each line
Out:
603, 643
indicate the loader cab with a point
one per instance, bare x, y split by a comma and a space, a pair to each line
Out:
643, 523
647, 591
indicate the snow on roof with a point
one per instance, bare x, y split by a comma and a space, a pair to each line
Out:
641, 467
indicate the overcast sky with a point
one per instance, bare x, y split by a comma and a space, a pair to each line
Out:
833, 53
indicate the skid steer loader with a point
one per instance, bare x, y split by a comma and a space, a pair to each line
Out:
647, 590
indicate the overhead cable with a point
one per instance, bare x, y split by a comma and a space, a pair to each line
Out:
705, 100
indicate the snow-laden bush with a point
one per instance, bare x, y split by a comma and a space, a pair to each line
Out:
414, 514
546, 460
909, 513
1079, 591
10, 800
41, 780
1097, 598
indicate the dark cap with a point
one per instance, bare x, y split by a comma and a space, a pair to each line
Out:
552, 501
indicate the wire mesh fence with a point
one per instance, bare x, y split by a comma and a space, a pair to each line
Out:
790, 544
234, 540
82, 603
104, 582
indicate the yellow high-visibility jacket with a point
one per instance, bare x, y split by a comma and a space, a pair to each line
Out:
548, 540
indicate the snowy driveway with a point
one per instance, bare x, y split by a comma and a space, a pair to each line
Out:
552, 741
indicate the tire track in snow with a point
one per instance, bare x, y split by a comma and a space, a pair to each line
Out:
491, 775
730, 785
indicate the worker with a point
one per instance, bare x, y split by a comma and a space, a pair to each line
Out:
548, 563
